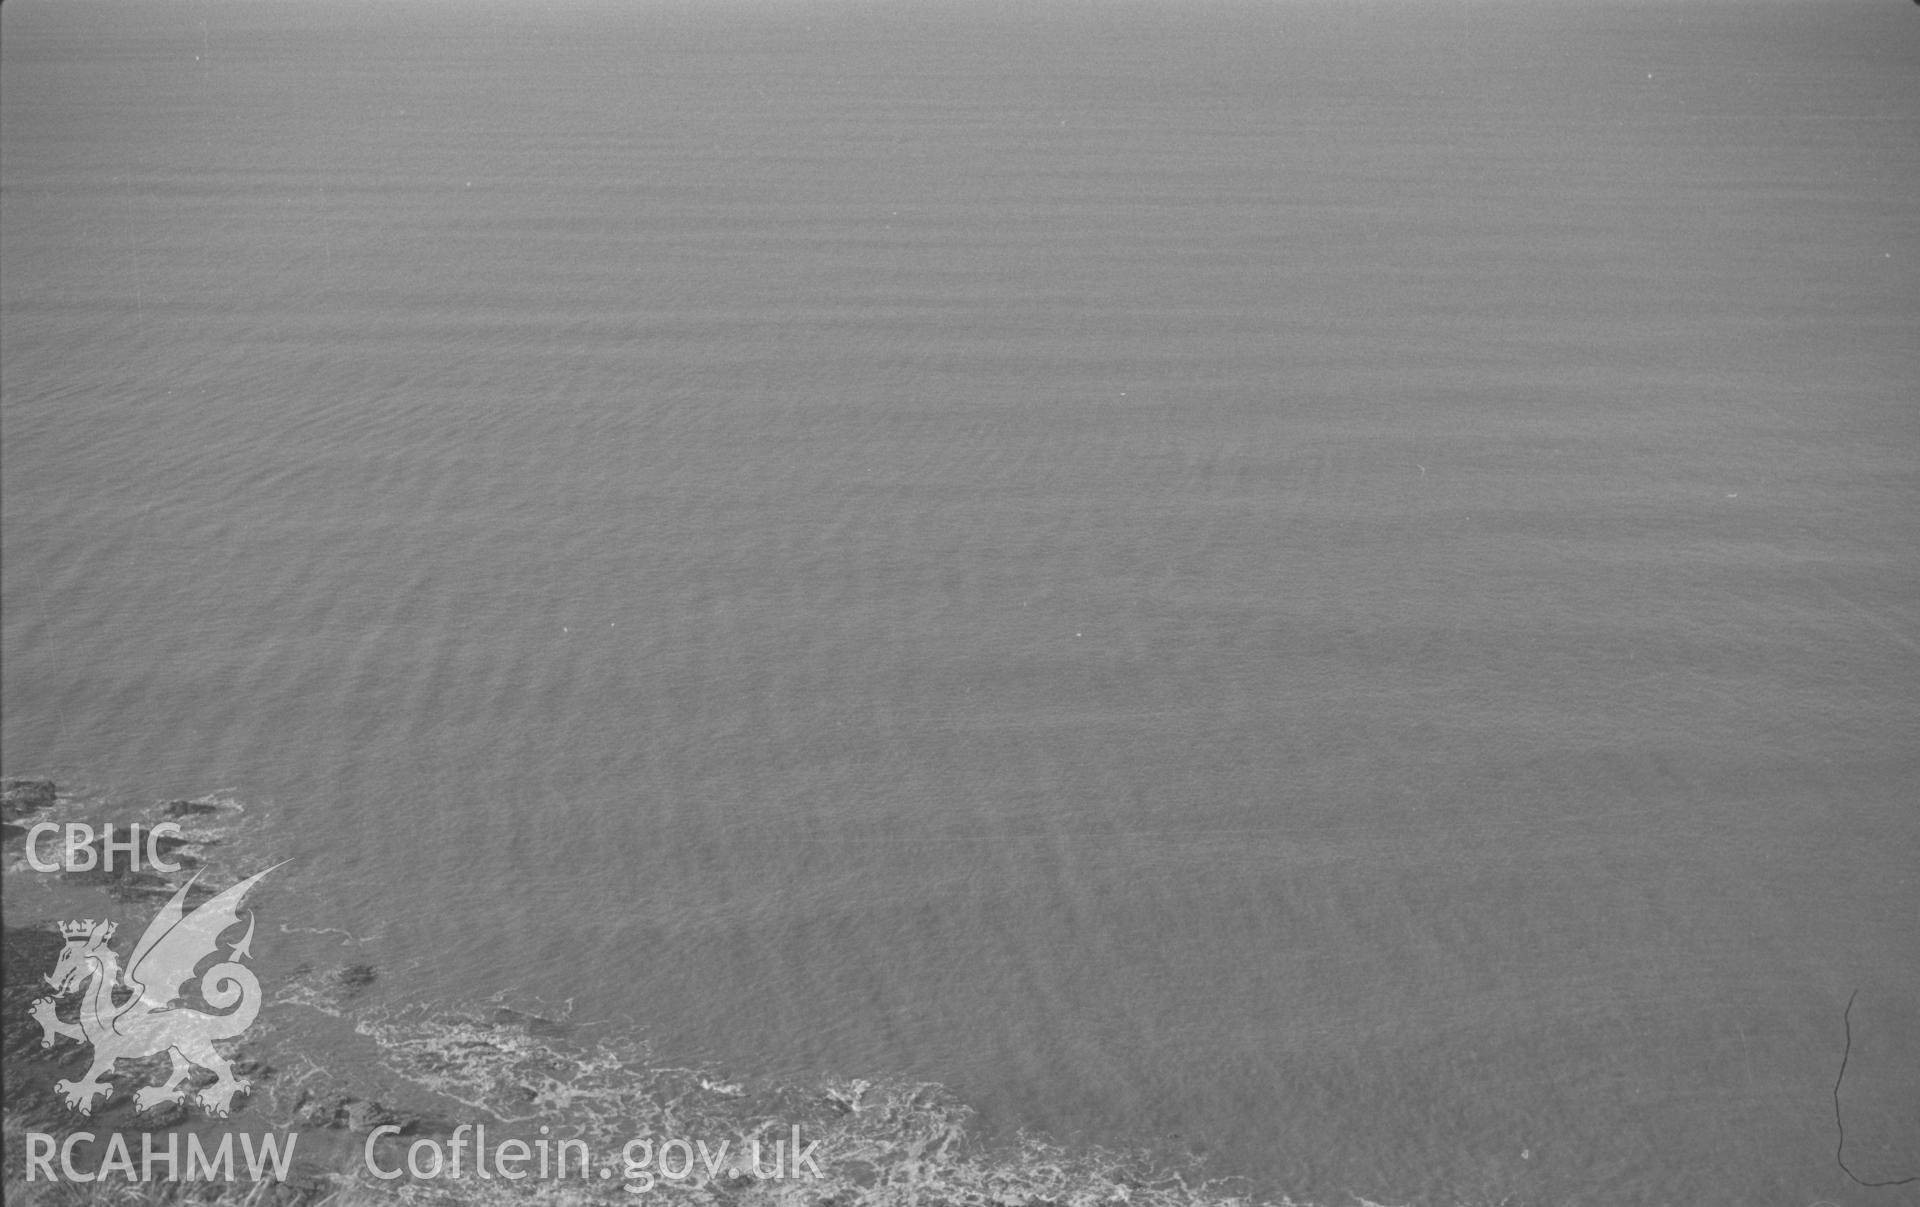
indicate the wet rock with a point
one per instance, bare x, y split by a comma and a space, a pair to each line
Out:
125, 882
358, 1116
167, 844
188, 808
21, 797
363, 1115
166, 1115
356, 977
27, 954
122, 882
533, 1024
344, 1112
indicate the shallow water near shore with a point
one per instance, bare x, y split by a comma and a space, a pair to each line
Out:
1330, 587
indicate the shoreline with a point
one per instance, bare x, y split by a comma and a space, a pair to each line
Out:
527, 1081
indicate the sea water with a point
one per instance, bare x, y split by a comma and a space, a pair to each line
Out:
1329, 587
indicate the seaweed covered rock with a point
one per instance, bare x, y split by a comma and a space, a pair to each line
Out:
27, 953
18, 798
355, 978
533, 1024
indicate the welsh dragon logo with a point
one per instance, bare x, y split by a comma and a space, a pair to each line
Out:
149, 1020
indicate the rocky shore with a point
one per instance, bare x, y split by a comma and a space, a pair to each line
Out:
521, 1074
32, 947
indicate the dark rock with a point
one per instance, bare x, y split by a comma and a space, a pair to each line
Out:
122, 883
533, 1024
188, 808
362, 1115
167, 844
166, 1115
344, 1112
355, 977
125, 883
21, 797
27, 954
311, 1112
426, 1125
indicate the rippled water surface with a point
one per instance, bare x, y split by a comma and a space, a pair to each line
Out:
1329, 585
